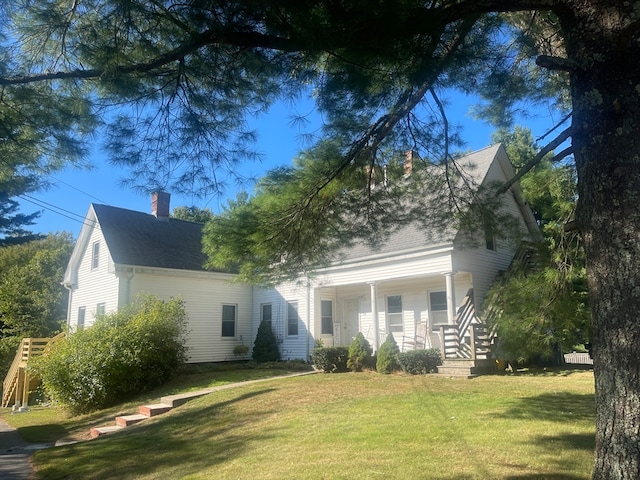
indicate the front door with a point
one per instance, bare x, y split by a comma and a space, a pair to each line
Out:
350, 320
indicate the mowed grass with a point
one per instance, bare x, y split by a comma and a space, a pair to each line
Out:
356, 426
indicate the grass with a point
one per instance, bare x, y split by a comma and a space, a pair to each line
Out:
355, 426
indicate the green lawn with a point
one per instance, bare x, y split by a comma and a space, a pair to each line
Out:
352, 426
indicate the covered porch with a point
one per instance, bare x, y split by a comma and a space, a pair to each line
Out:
413, 309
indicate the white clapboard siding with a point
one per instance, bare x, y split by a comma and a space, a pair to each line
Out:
93, 286
203, 297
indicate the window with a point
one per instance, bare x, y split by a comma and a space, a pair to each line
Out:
81, 312
292, 318
95, 255
490, 241
266, 313
228, 320
439, 315
326, 317
100, 309
394, 313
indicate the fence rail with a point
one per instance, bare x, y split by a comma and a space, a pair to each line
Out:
578, 358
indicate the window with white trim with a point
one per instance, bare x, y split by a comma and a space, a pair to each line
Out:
101, 309
95, 255
81, 314
292, 318
229, 320
394, 313
266, 313
326, 317
438, 309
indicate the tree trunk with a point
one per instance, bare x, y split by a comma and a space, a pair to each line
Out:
606, 100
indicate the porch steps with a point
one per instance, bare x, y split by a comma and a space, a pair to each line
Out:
466, 368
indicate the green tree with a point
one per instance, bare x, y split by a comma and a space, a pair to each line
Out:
33, 303
194, 71
265, 347
192, 214
360, 354
387, 356
541, 310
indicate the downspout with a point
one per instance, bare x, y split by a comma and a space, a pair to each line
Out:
308, 315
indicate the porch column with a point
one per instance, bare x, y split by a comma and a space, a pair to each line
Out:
374, 314
451, 297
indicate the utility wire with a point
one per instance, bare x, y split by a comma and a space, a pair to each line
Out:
55, 209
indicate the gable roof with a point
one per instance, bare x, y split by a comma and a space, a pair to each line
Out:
140, 239
475, 168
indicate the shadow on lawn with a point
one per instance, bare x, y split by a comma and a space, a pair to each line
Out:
194, 438
558, 407
43, 433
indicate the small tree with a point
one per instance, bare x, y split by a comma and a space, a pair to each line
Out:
360, 354
388, 356
265, 347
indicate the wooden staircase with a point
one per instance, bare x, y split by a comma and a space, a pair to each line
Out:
466, 345
19, 383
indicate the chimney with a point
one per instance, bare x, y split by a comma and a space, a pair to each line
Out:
160, 205
408, 162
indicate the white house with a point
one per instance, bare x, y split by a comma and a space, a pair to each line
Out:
409, 286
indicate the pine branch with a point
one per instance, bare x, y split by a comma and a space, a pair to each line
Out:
540, 155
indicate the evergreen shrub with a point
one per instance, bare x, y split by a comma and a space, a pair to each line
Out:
387, 361
360, 354
134, 350
265, 346
330, 359
420, 362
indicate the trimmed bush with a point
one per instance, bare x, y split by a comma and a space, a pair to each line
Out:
265, 347
122, 354
360, 354
330, 359
387, 361
420, 362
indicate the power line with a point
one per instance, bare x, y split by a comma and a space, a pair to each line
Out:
78, 190
55, 209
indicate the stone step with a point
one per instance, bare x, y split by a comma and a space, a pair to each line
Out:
155, 409
126, 420
98, 431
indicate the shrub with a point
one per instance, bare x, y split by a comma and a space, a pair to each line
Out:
360, 354
420, 362
330, 359
387, 361
124, 353
265, 347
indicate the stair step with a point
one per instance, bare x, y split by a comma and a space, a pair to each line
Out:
126, 420
98, 431
155, 409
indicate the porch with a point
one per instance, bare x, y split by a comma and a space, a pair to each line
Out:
413, 310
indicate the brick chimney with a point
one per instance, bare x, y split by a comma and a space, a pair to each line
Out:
160, 204
408, 163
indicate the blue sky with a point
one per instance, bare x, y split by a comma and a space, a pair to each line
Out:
64, 204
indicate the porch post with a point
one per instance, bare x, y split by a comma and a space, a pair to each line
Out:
374, 314
451, 297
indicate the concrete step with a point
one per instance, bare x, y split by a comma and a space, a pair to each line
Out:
126, 420
155, 409
98, 431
